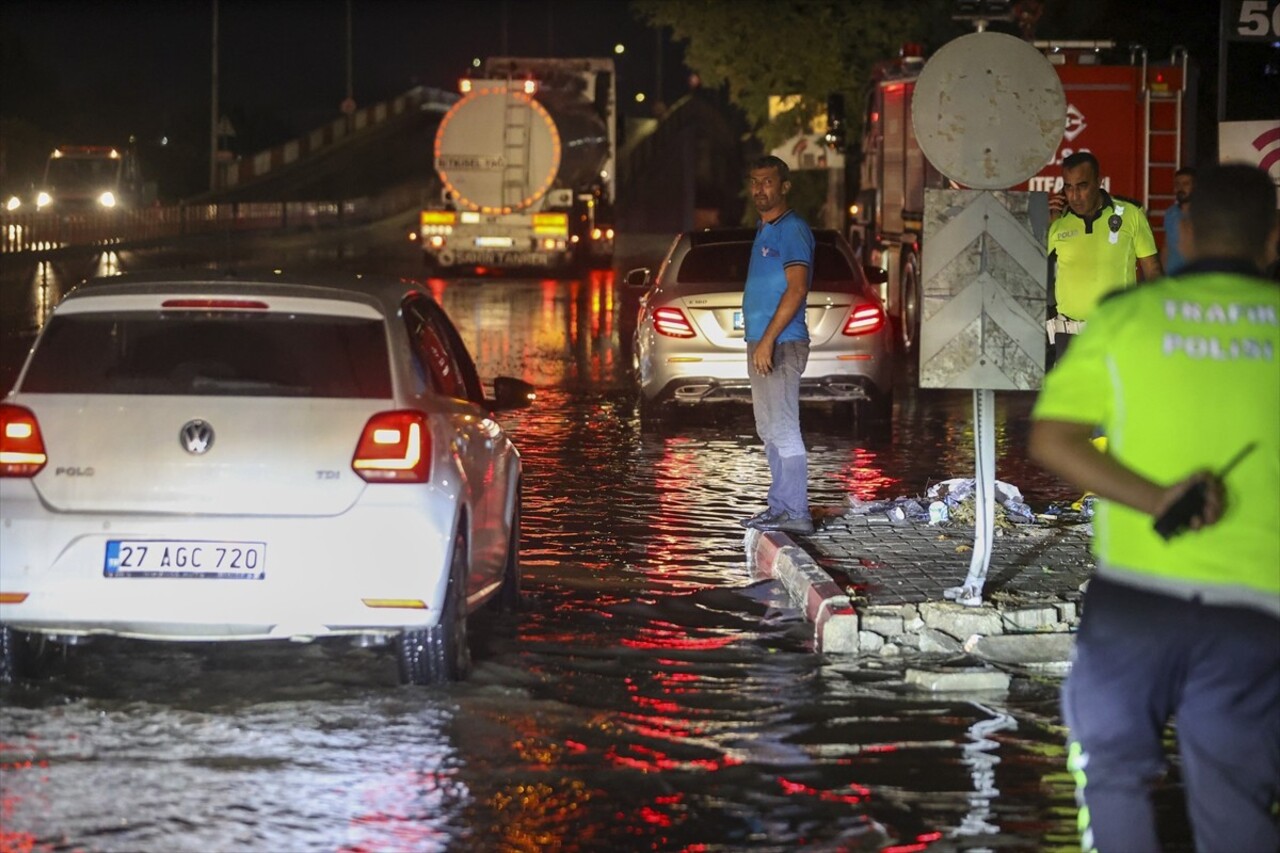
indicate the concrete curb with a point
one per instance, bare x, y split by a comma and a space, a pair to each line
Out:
835, 621
1036, 634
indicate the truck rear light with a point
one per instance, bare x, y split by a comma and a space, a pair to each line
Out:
863, 320
22, 452
672, 323
395, 447
555, 224
438, 217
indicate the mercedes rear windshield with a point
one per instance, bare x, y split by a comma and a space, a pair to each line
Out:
727, 263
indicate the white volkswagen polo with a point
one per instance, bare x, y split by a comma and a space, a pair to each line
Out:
204, 457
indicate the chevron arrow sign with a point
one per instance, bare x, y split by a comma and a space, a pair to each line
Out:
984, 270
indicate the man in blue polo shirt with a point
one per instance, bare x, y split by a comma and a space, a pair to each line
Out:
773, 308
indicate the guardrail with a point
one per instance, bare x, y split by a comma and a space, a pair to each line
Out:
256, 166
52, 232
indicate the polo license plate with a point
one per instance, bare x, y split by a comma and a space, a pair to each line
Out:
185, 558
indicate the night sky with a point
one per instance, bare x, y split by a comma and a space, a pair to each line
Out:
100, 72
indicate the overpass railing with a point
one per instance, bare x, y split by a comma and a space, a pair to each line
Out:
50, 232
262, 164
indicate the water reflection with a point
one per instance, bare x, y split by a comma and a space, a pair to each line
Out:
651, 696
981, 755
45, 291
559, 332
152, 776
108, 264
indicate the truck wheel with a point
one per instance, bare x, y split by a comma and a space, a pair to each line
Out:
912, 305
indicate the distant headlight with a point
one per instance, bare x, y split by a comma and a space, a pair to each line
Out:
43, 199
107, 199
13, 203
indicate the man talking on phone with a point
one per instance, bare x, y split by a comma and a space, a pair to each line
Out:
1096, 243
1182, 618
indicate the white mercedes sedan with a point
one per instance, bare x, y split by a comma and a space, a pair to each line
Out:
223, 457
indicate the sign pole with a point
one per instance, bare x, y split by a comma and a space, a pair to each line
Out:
984, 522
988, 111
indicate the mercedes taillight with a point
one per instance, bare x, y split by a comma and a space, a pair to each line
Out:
395, 447
863, 320
22, 452
672, 323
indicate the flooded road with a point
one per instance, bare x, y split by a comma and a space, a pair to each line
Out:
649, 697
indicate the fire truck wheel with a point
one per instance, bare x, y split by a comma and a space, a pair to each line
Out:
912, 305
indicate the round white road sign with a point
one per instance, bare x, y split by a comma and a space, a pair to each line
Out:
988, 110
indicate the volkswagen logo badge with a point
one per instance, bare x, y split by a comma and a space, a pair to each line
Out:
196, 437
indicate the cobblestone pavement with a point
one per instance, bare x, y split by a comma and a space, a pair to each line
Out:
874, 584
879, 562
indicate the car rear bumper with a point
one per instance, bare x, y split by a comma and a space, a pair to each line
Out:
710, 390
723, 377
376, 570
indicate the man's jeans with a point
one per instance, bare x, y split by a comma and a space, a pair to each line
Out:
775, 398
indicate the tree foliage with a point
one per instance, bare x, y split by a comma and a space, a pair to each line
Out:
811, 48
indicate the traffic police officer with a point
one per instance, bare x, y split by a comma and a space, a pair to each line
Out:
1184, 376
1095, 242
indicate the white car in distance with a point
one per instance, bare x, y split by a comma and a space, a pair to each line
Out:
214, 457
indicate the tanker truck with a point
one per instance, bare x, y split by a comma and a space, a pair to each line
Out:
526, 161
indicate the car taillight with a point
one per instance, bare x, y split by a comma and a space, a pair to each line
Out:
863, 320
22, 451
672, 323
395, 447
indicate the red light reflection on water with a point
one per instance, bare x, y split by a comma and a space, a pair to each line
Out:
866, 480
860, 792
437, 287
11, 840
665, 635
651, 760
922, 842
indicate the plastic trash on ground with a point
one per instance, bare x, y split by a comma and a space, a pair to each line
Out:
954, 501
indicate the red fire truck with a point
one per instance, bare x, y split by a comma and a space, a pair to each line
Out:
1136, 116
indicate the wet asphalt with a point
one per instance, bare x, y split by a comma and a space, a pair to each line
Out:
649, 696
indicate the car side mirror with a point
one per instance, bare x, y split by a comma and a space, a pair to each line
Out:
638, 279
511, 393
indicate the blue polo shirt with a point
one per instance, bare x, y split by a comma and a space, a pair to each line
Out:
784, 242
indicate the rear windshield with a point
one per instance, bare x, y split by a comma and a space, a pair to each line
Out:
211, 354
727, 263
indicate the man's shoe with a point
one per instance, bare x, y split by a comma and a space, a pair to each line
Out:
785, 522
766, 514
